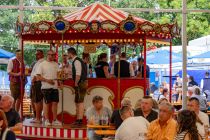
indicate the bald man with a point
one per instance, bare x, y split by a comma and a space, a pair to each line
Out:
13, 117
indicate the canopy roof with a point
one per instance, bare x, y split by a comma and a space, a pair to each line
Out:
94, 24
162, 57
6, 54
100, 12
203, 55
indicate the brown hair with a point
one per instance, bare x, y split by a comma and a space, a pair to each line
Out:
197, 91
155, 104
165, 90
187, 122
72, 51
3, 117
85, 55
17, 51
123, 55
97, 98
103, 55
162, 100
124, 109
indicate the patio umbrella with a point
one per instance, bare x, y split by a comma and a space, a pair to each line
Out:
5, 56
162, 57
203, 55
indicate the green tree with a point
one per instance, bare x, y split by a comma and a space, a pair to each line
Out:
197, 23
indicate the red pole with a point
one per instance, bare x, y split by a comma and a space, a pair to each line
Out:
22, 83
51, 46
145, 60
170, 69
57, 52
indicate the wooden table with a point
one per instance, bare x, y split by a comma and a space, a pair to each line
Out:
180, 103
177, 104
100, 126
105, 132
17, 132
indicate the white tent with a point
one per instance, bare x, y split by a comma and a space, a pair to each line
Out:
202, 41
4, 60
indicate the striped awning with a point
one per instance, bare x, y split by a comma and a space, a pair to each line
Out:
100, 12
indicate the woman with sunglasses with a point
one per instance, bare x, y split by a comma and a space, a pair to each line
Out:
5, 133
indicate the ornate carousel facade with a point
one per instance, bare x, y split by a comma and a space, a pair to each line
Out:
92, 26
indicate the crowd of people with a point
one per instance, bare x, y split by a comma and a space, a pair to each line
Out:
45, 83
202, 92
104, 69
150, 121
153, 118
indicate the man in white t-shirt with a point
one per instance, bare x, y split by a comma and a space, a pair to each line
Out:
194, 105
47, 73
132, 128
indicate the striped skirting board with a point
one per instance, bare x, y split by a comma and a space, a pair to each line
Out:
70, 133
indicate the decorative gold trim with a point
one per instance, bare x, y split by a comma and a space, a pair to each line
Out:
26, 27
90, 48
157, 28
165, 28
33, 28
175, 31
79, 25
61, 19
128, 89
146, 27
158, 42
108, 25
43, 23
94, 26
129, 19
110, 97
19, 27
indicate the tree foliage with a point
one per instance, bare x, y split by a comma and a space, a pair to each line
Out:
197, 23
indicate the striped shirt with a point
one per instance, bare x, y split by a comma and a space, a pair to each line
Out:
182, 135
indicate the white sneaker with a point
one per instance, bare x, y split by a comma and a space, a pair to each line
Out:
56, 123
47, 123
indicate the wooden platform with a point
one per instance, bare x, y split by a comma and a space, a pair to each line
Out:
34, 131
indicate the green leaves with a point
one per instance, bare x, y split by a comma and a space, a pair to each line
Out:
197, 23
